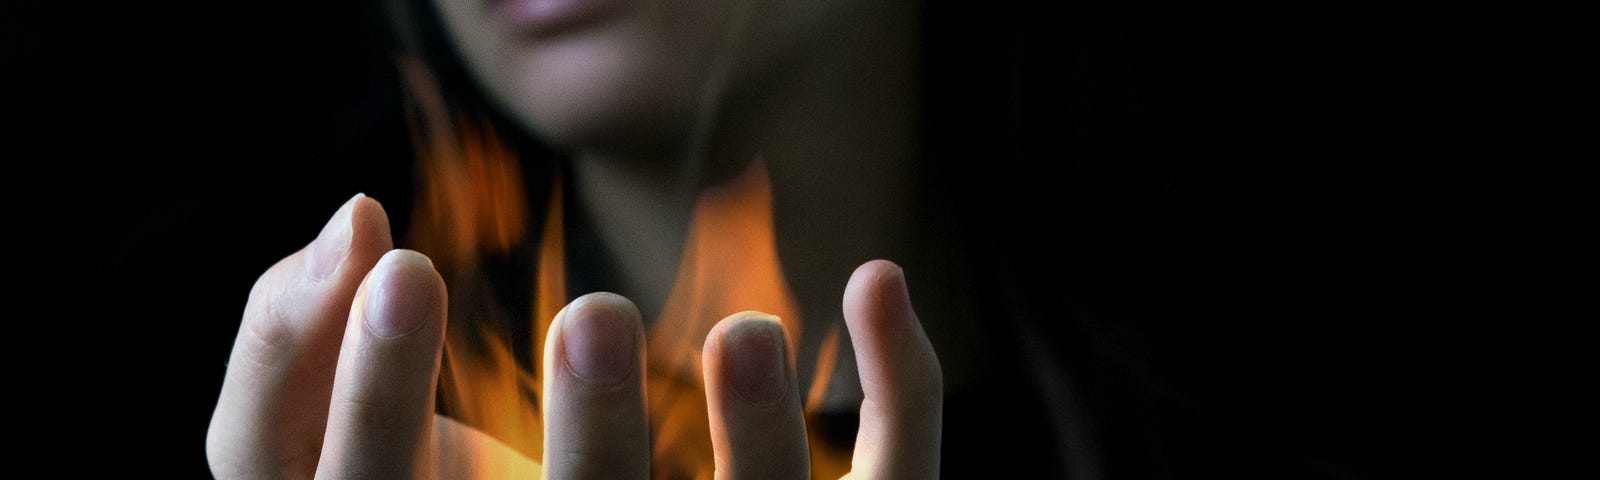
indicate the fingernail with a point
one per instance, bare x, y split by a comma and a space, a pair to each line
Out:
396, 305
754, 357
599, 342
896, 297
332, 245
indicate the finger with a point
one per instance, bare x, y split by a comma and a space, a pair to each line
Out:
902, 413
594, 412
380, 417
273, 408
757, 430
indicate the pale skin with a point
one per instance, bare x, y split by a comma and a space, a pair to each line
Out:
335, 367
334, 370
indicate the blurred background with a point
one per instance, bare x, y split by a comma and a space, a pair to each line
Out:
1228, 217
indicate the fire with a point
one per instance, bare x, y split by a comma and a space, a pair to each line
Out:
472, 209
730, 263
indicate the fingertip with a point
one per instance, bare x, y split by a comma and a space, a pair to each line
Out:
751, 356
890, 344
894, 296
369, 224
351, 242
874, 271
381, 408
757, 425
594, 386
877, 292
410, 258
737, 319
403, 293
328, 252
600, 338
717, 338
611, 303
901, 378
879, 265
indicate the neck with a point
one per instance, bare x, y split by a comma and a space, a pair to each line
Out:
838, 134
836, 130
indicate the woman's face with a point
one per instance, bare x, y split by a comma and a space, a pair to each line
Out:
626, 74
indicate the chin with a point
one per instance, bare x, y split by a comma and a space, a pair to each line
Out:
601, 113
630, 82
598, 92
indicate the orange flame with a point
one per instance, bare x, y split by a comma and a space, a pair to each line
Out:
730, 264
472, 209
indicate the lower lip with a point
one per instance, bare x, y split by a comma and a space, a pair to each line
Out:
542, 17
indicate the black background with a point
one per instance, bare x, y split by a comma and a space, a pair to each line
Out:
1254, 207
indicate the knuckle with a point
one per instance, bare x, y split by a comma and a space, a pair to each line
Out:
377, 416
269, 323
593, 463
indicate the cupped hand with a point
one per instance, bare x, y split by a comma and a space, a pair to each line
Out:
334, 370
